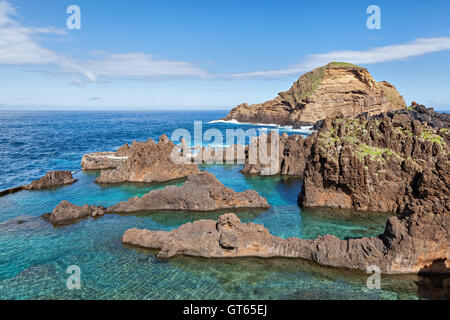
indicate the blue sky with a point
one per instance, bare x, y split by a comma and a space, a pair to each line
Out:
212, 54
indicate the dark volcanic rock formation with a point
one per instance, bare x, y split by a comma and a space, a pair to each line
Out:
381, 164
67, 213
201, 192
147, 162
52, 179
326, 91
424, 115
293, 152
411, 244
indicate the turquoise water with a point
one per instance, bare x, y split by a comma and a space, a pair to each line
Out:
34, 255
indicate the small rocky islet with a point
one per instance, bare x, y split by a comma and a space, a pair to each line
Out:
369, 153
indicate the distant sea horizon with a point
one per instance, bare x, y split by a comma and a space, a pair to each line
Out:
444, 109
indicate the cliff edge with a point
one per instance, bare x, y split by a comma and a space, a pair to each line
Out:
335, 89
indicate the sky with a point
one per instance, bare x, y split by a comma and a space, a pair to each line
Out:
188, 54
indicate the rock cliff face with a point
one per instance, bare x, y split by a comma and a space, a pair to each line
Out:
326, 91
201, 192
414, 243
147, 162
379, 165
52, 179
291, 159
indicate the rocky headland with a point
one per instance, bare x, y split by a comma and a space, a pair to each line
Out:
146, 162
414, 243
337, 88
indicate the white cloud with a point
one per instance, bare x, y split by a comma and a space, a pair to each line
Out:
6, 11
141, 65
18, 47
389, 53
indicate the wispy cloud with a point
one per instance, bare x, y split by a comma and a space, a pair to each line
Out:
389, 53
19, 47
141, 65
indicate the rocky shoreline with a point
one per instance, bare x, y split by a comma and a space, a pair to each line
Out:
369, 153
418, 243
396, 162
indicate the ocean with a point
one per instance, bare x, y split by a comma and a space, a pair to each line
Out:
34, 255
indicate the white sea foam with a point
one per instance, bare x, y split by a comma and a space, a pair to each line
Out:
304, 130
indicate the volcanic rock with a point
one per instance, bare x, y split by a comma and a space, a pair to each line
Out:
410, 244
147, 162
293, 152
102, 161
52, 179
67, 213
381, 164
201, 192
326, 91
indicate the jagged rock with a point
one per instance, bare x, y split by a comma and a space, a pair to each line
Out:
217, 155
326, 91
201, 192
52, 179
291, 159
380, 164
102, 161
67, 213
424, 115
147, 162
411, 244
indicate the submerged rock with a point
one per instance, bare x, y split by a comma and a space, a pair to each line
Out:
326, 91
147, 162
52, 179
201, 192
67, 213
415, 243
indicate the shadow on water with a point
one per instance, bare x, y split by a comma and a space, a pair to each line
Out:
433, 287
347, 224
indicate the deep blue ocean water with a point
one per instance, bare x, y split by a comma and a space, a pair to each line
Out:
34, 255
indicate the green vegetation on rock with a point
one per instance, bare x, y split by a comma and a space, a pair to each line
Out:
373, 152
428, 135
311, 80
